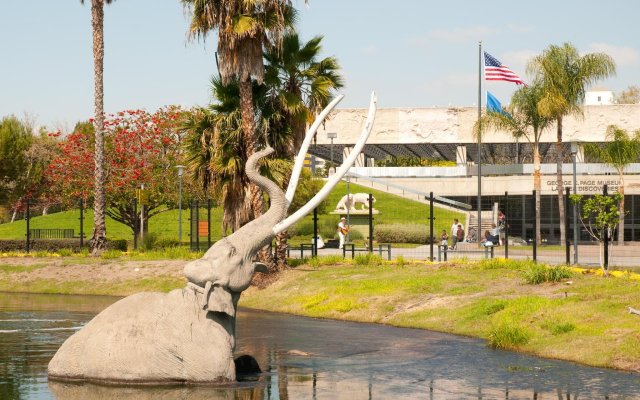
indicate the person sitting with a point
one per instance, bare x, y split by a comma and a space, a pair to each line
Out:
488, 240
471, 236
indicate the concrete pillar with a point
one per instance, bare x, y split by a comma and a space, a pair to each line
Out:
461, 155
360, 160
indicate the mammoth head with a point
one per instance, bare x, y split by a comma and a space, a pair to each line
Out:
227, 267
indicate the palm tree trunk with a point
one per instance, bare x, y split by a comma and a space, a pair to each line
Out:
99, 239
538, 187
250, 143
559, 184
621, 211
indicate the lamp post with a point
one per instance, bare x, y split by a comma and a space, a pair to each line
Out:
574, 155
180, 174
331, 135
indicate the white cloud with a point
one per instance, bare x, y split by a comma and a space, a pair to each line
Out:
458, 35
624, 56
517, 60
369, 50
520, 28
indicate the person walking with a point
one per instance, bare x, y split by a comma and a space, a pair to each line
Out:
454, 231
343, 229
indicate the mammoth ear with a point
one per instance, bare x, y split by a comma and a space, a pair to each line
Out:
260, 267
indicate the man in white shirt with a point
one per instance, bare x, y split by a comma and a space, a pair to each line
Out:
454, 230
343, 228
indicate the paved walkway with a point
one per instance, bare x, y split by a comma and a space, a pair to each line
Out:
588, 255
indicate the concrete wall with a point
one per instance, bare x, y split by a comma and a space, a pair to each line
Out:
454, 125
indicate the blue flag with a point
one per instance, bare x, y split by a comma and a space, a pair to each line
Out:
493, 105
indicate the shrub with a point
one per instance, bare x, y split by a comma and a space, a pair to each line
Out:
507, 336
368, 259
119, 244
535, 274
65, 252
111, 254
54, 245
401, 233
164, 243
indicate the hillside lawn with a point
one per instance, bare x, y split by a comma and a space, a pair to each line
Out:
393, 209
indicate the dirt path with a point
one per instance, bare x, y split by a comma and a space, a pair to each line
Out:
26, 269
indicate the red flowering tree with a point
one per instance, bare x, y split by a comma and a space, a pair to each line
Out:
140, 148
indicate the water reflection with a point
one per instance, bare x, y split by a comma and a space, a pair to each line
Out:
305, 358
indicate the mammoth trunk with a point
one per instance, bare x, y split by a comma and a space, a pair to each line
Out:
259, 232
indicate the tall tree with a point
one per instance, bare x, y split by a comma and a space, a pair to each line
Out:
243, 27
620, 150
523, 121
565, 76
630, 95
299, 86
15, 141
99, 237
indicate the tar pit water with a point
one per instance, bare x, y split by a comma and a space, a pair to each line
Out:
304, 358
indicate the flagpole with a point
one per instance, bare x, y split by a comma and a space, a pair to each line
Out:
479, 160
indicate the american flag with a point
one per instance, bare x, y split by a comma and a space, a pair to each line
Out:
495, 71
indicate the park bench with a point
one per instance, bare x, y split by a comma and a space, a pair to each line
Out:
465, 248
302, 248
51, 233
351, 248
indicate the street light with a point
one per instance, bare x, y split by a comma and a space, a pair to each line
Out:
574, 155
180, 174
331, 135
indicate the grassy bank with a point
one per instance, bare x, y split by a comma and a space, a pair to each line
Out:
582, 318
553, 312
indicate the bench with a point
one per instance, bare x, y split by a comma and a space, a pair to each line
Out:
302, 248
353, 249
466, 248
54, 233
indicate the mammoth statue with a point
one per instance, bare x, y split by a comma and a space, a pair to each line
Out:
187, 336
349, 201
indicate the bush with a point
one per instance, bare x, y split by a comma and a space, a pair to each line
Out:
54, 245
507, 336
535, 274
368, 259
401, 233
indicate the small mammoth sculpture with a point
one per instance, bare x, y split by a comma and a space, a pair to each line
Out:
349, 201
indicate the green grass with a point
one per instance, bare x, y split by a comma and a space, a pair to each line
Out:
393, 209
163, 225
586, 321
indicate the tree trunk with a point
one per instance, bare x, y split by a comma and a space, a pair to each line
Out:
250, 143
538, 187
14, 215
621, 211
280, 257
99, 238
559, 183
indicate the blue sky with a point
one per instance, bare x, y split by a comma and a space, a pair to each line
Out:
414, 53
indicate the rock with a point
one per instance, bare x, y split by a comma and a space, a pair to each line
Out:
150, 338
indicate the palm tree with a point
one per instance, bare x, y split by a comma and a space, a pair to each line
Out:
565, 77
243, 26
216, 153
523, 120
99, 237
620, 151
299, 86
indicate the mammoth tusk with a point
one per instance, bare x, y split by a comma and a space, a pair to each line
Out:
299, 162
335, 178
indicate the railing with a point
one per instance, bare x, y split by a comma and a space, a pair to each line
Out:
423, 195
51, 233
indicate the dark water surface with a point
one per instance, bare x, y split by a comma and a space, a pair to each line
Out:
305, 358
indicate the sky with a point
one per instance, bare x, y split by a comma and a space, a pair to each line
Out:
413, 53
